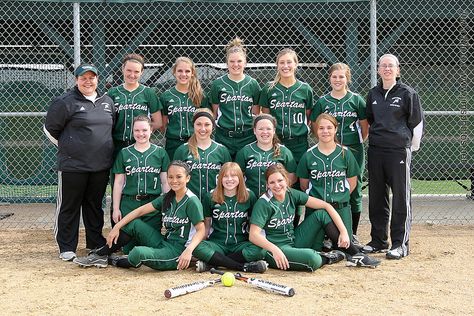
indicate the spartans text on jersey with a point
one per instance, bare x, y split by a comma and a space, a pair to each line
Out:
134, 106
129, 170
275, 104
225, 98
318, 174
277, 222
218, 215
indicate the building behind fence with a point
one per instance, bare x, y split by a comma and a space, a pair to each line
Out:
433, 40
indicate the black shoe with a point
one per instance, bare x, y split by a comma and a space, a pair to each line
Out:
333, 256
259, 266
362, 260
114, 258
327, 245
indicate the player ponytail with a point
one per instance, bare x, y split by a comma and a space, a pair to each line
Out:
192, 142
195, 91
343, 67
281, 53
236, 46
170, 195
234, 169
275, 140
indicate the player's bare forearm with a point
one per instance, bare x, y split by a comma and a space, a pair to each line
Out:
156, 121
119, 181
256, 109
215, 108
304, 184
165, 123
352, 183
185, 258
364, 127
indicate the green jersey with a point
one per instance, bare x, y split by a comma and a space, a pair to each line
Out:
254, 162
230, 219
205, 169
288, 106
276, 217
177, 219
328, 174
348, 111
130, 104
235, 100
179, 109
142, 169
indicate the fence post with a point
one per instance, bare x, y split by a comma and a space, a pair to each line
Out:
77, 34
373, 43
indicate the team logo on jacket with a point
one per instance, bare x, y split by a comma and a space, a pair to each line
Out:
395, 102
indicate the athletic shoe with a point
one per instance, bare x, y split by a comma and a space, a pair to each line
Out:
67, 255
371, 249
396, 253
362, 260
92, 260
259, 266
333, 256
114, 258
202, 266
327, 245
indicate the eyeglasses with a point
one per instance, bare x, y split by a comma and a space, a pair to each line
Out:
387, 66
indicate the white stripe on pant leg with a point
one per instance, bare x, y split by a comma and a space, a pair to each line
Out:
59, 200
409, 215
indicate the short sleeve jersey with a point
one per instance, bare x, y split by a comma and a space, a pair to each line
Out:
348, 111
254, 162
142, 169
328, 174
276, 217
130, 104
177, 219
180, 109
229, 219
235, 100
205, 169
288, 106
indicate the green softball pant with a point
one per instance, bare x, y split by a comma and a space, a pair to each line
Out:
206, 249
344, 212
300, 259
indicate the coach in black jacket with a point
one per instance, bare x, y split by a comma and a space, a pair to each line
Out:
80, 123
396, 124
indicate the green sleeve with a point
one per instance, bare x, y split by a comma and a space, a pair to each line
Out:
352, 166
214, 92
181, 153
290, 163
118, 167
261, 213
163, 102
240, 159
317, 109
206, 103
361, 112
155, 104
206, 204
158, 202
263, 99
194, 210
257, 92
299, 198
302, 169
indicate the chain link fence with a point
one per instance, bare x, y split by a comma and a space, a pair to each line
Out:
433, 40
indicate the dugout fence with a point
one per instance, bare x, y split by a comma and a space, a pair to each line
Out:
40, 41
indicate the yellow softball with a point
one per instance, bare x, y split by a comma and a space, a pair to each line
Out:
228, 279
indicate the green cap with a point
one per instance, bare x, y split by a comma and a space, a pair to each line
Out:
83, 68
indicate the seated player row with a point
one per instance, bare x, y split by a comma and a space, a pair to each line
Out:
228, 211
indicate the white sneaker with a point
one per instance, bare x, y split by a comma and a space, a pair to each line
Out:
67, 255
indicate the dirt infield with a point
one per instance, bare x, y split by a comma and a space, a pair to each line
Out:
437, 278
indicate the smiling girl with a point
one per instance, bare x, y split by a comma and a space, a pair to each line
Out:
180, 103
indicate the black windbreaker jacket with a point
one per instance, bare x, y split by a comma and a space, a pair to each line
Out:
395, 117
82, 131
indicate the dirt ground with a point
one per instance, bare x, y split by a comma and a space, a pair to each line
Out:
437, 278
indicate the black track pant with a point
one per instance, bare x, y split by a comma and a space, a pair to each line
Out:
78, 190
389, 169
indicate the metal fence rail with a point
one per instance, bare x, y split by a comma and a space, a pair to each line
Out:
433, 40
